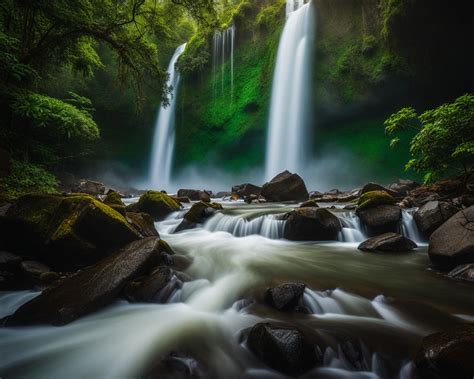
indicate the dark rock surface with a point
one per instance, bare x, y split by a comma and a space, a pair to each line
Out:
244, 190
157, 204
89, 187
369, 187
198, 213
143, 223
432, 215
177, 365
285, 187
380, 219
311, 224
195, 195
463, 272
390, 242
285, 297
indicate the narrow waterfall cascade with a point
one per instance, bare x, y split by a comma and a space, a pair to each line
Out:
288, 128
164, 138
266, 226
223, 49
409, 228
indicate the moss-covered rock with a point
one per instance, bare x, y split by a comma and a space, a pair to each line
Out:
65, 231
114, 201
157, 204
372, 199
198, 213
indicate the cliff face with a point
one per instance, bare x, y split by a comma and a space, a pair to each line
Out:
372, 57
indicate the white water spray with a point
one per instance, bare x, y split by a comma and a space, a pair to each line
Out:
163, 141
223, 46
287, 141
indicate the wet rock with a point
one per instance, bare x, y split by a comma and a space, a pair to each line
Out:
285, 297
177, 366
348, 197
283, 348
182, 200
181, 262
452, 243
66, 232
154, 288
157, 204
311, 224
198, 213
355, 355
403, 186
9, 261
223, 194
371, 187
195, 195
255, 199
34, 269
315, 194
432, 215
114, 201
389, 242
309, 204
143, 223
378, 213
463, 272
285, 187
447, 354
49, 277
372, 199
89, 187
91, 289
245, 190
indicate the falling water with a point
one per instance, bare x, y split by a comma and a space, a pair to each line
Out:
223, 45
163, 141
291, 94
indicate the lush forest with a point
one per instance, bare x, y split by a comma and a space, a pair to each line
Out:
236, 189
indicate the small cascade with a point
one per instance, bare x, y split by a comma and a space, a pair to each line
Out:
266, 226
164, 139
409, 228
223, 47
352, 230
290, 109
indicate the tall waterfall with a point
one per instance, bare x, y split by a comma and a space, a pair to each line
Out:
223, 45
287, 140
163, 140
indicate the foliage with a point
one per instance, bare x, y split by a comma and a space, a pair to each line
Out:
444, 140
25, 178
196, 56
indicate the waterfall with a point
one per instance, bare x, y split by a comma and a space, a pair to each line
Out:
223, 44
163, 140
409, 228
287, 138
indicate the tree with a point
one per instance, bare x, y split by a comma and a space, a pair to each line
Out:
444, 143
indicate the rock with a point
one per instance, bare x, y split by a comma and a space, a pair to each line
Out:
177, 366
245, 190
195, 195
66, 232
315, 194
309, 204
198, 213
285, 187
380, 219
114, 201
34, 269
91, 289
157, 204
447, 354
283, 348
89, 187
311, 224
223, 194
182, 200
432, 215
285, 297
463, 272
143, 223
49, 277
390, 242
374, 198
347, 198
372, 187
403, 186
452, 243
9, 261
155, 288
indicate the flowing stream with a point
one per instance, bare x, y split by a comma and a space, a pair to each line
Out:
287, 140
375, 307
164, 138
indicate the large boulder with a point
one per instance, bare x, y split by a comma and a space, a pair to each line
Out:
114, 201
198, 213
244, 190
403, 186
91, 289
143, 223
389, 242
432, 215
285, 297
89, 187
66, 232
195, 195
378, 213
283, 348
452, 243
447, 354
285, 187
311, 224
372, 199
157, 204
371, 187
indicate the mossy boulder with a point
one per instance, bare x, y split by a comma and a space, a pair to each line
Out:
114, 201
198, 213
311, 224
374, 198
157, 204
67, 232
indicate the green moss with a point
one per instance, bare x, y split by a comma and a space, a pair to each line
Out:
373, 198
113, 198
157, 204
198, 211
